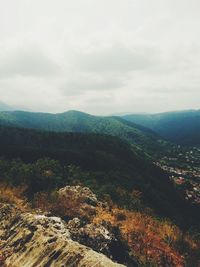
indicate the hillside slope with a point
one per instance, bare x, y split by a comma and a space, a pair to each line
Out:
180, 127
90, 151
74, 121
110, 164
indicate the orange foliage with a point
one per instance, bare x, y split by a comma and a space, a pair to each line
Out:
152, 241
13, 195
63, 206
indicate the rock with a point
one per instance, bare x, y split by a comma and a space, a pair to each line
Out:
84, 193
96, 236
32, 240
77, 201
102, 238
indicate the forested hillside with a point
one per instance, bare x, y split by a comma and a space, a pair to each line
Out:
109, 162
74, 121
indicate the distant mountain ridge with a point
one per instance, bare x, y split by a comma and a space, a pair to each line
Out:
182, 127
76, 121
5, 107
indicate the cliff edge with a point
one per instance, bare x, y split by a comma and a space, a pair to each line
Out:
32, 240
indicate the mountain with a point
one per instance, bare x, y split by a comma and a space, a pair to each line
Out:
4, 107
182, 127
74, 121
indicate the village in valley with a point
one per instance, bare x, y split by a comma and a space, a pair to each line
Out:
183, 166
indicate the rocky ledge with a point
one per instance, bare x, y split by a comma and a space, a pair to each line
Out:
31, 240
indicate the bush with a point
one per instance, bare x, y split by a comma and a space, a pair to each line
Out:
67, 207
13, 195
153, 242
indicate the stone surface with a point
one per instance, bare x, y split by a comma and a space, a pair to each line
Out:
78, 191
102, 238
92, 235
32, 240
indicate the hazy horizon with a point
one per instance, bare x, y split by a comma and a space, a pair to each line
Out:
100, 57
5, 107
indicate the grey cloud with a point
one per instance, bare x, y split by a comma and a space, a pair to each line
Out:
136, 55
30, 61
117, 58
100, 104
89, 83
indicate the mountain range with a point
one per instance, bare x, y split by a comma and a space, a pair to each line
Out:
142, 138
181, 127
147, 131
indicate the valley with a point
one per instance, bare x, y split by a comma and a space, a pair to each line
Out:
183, 167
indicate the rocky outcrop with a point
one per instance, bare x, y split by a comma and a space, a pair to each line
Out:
96, 236
102, 238
87, 196
31, 240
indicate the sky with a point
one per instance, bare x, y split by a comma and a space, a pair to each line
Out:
100, 56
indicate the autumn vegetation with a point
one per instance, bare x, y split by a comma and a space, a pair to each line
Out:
153, 242
67, 207
13, 195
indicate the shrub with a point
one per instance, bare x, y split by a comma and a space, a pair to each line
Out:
153, 242
13, 195
66, 207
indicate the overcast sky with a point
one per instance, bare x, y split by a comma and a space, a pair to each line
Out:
100, 56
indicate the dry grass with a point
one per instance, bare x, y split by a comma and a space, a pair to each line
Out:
153, 243
68, 206
13, 195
